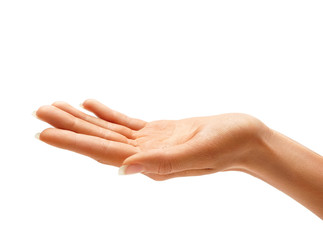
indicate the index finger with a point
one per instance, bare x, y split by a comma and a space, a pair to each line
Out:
102, 150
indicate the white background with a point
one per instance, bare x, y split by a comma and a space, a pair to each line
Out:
154, 60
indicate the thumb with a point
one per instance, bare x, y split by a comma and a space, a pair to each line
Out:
160, 161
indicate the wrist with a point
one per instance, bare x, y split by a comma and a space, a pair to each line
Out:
257, 150
250, 147
288, 166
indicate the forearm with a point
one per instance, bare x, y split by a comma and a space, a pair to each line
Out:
291, 168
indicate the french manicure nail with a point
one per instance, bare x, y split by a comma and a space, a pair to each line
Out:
35, 115
130, 169
37, 135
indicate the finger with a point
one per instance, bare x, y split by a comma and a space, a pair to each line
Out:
186, 173
166, 161
110, 115
63, 120
104, 151
127, 132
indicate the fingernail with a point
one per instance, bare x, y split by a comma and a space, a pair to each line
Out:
130, 169
35, 115
81, 105
37, 135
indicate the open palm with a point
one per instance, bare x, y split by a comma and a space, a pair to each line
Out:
168, 148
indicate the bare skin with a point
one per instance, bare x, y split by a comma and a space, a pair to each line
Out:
189, 147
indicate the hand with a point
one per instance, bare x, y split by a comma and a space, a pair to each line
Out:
159, 149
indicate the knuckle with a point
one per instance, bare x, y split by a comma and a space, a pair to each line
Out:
100, 160
73, 123
86, 117
106, 134
165, 166
108, 125
160, 179
156, 177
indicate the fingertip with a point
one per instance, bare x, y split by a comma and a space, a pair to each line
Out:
46, 134
59, 103
43, 135
43, 110
88, 102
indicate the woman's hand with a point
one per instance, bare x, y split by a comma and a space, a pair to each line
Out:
159, 149
189, 147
